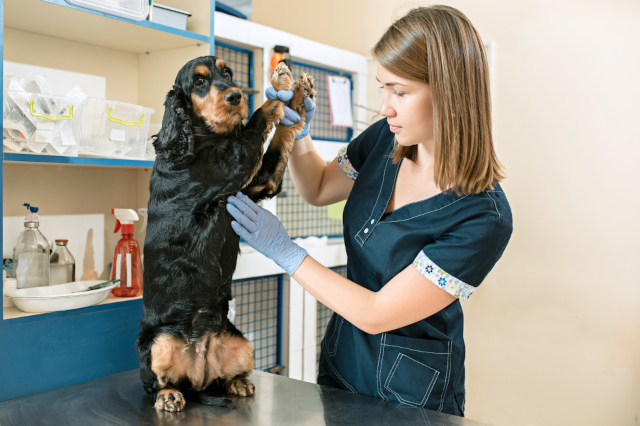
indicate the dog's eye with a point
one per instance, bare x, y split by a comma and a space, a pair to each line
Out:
200, 81
227, 74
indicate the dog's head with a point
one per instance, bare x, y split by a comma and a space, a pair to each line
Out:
205, 99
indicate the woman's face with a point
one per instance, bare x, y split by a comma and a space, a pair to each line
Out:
408, 108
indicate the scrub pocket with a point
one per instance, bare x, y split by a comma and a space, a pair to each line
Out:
414, 371
332, 335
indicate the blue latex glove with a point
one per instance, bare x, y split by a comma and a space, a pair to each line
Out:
264, 232
291, 116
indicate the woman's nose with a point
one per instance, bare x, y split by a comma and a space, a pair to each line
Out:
386, 110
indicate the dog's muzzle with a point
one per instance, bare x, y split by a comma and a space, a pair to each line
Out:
233, 98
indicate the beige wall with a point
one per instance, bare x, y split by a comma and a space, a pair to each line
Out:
119, 68
553, 334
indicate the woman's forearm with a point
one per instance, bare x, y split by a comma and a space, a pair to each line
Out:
307, 169
349, 300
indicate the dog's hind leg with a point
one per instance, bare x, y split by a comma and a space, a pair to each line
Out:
233, 356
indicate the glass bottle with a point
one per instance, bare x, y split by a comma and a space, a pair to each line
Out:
31, 257
63, 264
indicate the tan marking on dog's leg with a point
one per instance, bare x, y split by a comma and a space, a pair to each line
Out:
237, 355
170, 399
230, 357
166, 359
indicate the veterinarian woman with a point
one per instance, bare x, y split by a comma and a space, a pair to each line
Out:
424, 223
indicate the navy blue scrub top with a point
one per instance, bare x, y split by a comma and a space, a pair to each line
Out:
453, 240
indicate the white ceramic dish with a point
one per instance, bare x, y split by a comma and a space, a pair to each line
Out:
60, 297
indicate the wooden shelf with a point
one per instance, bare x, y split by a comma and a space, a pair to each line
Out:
57, 18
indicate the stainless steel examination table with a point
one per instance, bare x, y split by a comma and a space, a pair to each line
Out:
119, 400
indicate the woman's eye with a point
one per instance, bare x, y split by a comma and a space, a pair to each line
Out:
199, 81
398, 93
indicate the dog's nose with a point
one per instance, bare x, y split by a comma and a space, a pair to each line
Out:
233, 98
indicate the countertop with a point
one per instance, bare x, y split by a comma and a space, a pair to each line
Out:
119, 400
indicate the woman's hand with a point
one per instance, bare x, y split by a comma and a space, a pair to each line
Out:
291, 116
264, 232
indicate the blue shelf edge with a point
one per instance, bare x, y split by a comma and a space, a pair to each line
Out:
87, 161
145, 23
69, 313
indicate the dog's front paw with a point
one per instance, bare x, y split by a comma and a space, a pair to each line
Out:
281, 79
302, 88
306, 84
241, 387
170, 400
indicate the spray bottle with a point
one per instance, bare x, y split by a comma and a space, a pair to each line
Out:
126, 258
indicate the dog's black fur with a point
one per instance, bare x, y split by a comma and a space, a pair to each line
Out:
190, 249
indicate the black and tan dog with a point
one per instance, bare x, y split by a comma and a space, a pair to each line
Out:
204, 153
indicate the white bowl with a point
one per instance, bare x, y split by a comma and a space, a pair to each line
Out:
60, 297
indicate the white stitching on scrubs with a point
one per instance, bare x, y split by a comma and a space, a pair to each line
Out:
380, 369
374, 206
338, 375
416, 350
335, 345
429, 389
414, 202
379, 373
422, 214
446, 380
495, 204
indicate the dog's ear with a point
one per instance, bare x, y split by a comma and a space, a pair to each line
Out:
175, 142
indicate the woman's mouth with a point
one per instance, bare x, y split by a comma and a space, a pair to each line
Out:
394, 129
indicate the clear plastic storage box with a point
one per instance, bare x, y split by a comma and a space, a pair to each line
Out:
114, 129
135, 10
169, 16
41, 124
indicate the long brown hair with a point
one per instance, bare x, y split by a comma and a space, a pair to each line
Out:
438, 45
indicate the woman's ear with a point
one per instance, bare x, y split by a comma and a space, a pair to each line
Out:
175, 142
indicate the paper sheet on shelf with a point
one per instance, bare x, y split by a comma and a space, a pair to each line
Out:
339, 89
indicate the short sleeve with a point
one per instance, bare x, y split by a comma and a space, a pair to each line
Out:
460, 260
352, 157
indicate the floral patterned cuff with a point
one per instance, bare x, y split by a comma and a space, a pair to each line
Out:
436, 275
345, 164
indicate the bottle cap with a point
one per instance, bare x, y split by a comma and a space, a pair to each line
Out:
62, 241
32, 216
